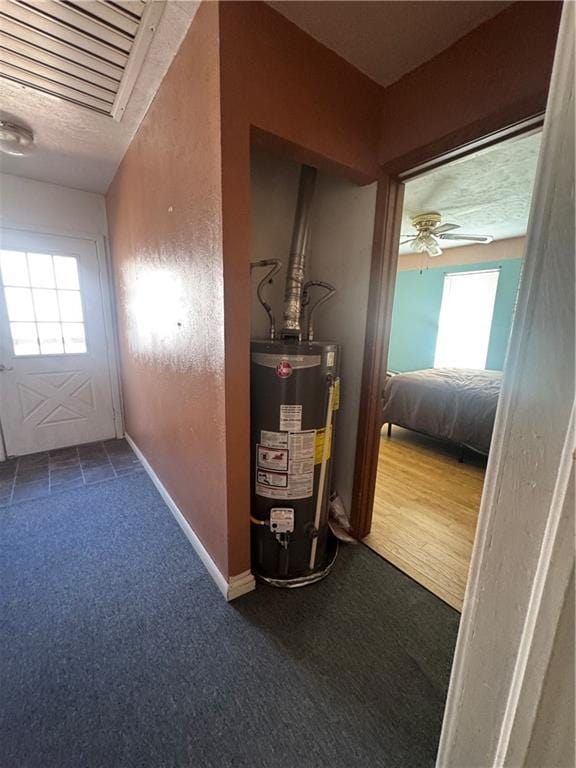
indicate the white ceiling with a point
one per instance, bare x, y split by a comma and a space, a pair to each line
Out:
488, 193
79, 148
386, 40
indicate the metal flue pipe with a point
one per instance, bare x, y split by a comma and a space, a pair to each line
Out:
297, 260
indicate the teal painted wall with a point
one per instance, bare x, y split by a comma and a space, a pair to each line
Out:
416, 311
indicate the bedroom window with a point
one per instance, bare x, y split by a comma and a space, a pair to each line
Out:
466, 319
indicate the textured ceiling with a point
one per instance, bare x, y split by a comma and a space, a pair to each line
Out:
79, 148
488, 193
386, 40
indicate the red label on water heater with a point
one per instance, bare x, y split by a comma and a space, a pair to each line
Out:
284, 369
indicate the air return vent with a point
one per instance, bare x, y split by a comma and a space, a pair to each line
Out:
87, 52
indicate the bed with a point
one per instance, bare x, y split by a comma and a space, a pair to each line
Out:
455, 404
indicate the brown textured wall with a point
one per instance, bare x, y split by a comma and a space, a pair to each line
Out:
165, 218
497, 74
282, 88
244, 73
316, 107
277, 78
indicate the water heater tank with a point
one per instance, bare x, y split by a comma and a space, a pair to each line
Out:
294, 395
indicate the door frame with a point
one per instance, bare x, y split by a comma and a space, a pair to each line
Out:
383, 270
110, 326
522, 571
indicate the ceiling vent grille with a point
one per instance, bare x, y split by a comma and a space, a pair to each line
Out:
88, 52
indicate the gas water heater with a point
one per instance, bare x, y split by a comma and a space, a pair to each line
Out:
295, 392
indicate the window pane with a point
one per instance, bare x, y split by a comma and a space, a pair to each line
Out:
19, 304
70, 306
74, 339
66, 270
45, 304
41, 272
50, 335
24, 338
14, 268
466, 319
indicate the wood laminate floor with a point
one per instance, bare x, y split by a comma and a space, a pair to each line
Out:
425, 511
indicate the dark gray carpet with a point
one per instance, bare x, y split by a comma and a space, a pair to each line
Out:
117, 650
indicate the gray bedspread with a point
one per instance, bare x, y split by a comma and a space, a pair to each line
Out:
456, 404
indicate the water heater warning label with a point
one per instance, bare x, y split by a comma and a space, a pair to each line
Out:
299, 483
336, 395
270, 481
301, 446
290, 418
272, 458
274, 439
319, 447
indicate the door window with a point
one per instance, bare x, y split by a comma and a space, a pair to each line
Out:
43, 302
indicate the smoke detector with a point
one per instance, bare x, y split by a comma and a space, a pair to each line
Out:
15, 139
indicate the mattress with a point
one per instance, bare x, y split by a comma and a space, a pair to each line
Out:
456, 404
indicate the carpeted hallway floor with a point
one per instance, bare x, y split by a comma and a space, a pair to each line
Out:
117, 650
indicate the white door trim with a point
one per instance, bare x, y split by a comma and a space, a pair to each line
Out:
523, 558
554, 571
106, 290
111, 331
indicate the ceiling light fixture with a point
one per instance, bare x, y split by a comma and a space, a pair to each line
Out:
15, 139
430, 232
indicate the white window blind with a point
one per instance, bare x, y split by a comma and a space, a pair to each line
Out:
466, 319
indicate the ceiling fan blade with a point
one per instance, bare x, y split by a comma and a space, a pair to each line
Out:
473, 238
408, 240
445, 228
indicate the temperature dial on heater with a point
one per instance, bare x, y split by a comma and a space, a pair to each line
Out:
282, 520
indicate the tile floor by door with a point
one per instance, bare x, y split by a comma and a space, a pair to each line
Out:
41, 474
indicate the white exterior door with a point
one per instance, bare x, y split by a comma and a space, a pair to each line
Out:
55, 378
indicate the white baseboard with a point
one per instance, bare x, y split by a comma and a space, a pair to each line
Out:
231, 588
240, 585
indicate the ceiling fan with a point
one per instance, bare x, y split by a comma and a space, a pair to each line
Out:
430, 231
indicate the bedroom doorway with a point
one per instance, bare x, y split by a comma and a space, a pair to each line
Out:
459, 264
